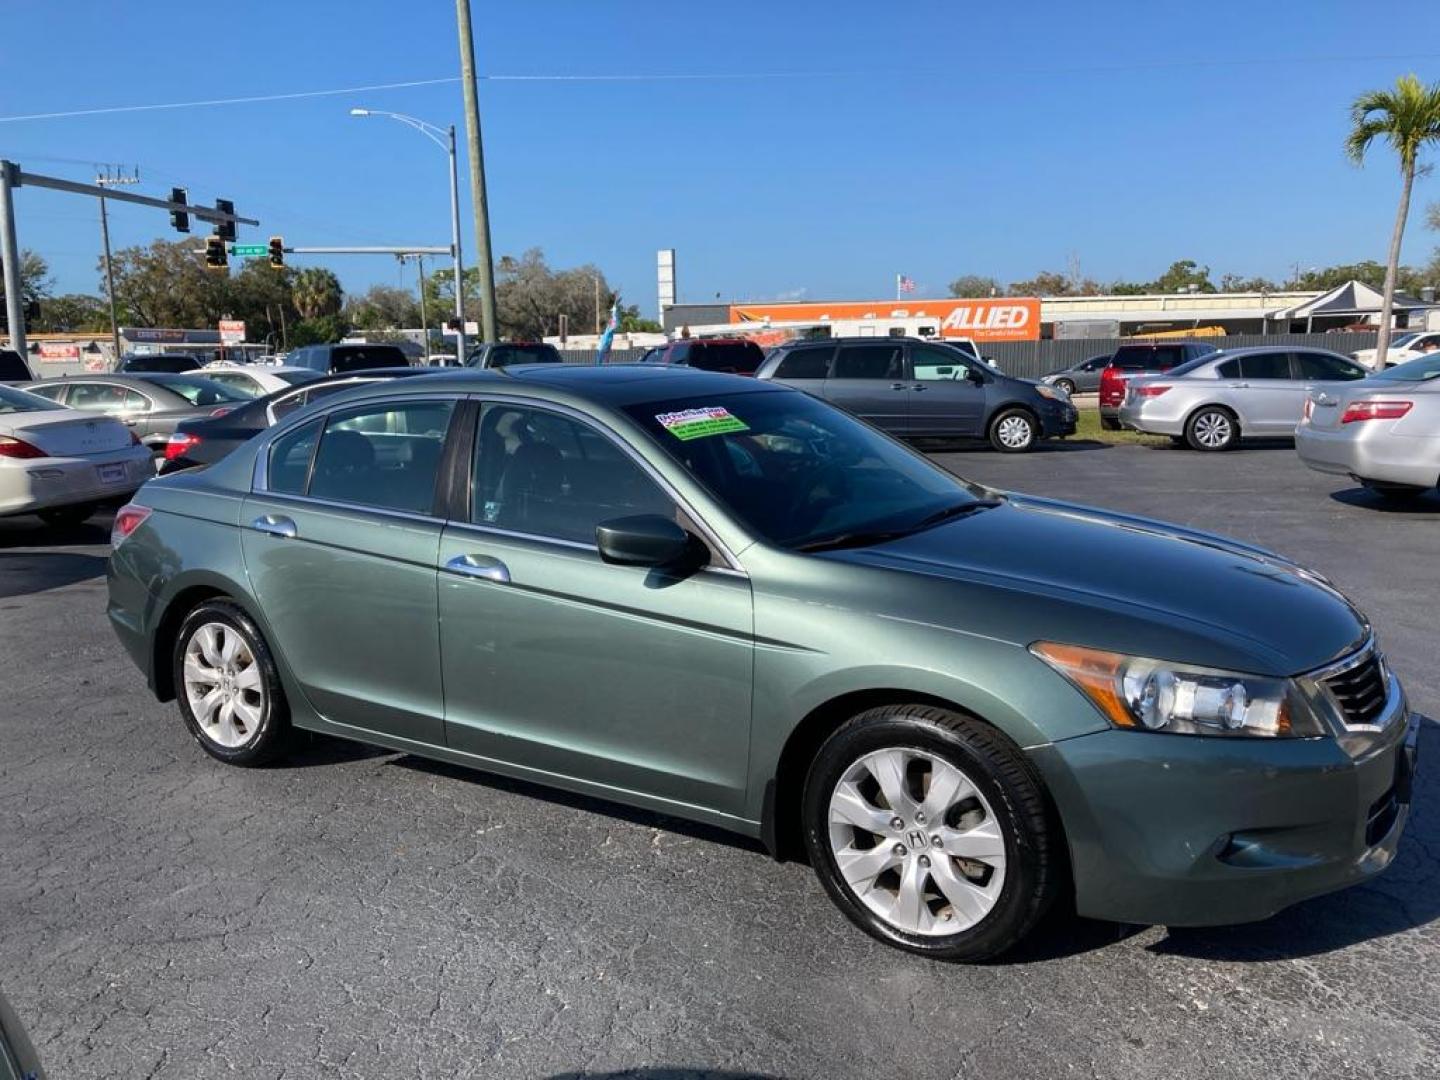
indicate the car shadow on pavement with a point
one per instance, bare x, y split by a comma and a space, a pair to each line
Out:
25, 572
635, 815
34, 533
315, 748
666, 1072
1046, 446
1423, 505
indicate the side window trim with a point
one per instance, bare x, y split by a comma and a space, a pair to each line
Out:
727, 564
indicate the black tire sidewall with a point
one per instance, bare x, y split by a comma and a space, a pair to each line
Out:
274, 724
1001, 417
1027, 889
1066, 385
1196, 444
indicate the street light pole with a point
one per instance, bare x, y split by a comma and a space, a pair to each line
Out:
478, 197
446, 143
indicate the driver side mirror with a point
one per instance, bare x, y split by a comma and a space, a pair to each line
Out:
973, 375
644, 540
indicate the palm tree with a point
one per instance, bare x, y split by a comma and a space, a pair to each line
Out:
317, 293
1409, 119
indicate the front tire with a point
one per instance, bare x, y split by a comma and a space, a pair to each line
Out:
1014, 431
930, 831
229, 690
1212, 429
67, 517
1067, 385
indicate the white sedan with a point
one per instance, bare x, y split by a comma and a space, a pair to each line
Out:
257, 380
60, 463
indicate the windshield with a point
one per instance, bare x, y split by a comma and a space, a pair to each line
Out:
13, 401
1427, 367
1404, 340
800, 472
198, 391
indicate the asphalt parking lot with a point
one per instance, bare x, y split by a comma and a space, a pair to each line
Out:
362, 914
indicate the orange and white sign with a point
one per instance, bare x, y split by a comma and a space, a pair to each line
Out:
59, 352
1007, 318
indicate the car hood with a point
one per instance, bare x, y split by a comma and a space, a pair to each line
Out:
1130, 584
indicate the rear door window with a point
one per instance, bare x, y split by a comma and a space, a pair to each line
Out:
1267, 365
364, 357
1325, 368
870, 362
385, 455
813, 363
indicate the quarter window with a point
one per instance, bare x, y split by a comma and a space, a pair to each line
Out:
385, 455
805, 363
869, 362
544, 474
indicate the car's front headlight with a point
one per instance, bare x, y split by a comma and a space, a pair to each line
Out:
1052, 392
1156, 695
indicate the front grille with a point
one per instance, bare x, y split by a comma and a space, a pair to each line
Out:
1360, 690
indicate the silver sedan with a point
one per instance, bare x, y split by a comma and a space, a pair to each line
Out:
1215, 401
1384, 432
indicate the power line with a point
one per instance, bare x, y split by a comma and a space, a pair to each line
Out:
1028, 64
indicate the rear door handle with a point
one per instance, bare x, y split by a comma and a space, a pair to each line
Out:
275, 525
480, 566
919, 386
897, 386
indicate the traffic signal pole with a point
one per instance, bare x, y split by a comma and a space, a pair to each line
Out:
10, 253
102, 181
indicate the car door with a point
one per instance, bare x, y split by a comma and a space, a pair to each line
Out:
130, 407
1268, 396
1322, 370
555, 661
943, 398
868, 380
340, 538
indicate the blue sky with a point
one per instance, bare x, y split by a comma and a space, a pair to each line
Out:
931, 138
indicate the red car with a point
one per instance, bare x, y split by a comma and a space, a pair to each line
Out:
738, 356
1142, 358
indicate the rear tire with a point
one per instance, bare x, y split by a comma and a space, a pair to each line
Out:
984, 857
1212, 429
1109, 423
67, 517
227, 686
1014, 431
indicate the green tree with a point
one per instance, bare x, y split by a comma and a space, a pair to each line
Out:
166, 284
1408, 118
1045, 283
632, 323
74, 312
971, 285
320, 330
385, 307
317, 293
1182, 274
1236, 283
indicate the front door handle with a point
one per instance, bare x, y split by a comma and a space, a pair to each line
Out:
275, 525
480, 566
919, 386
897, 386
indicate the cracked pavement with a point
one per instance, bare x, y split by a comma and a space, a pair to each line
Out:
356, 913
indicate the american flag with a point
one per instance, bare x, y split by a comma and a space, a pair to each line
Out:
904, 284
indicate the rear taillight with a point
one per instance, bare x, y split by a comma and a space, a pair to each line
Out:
1375, 410
127, 519
19, 448
1150, 391
180, 444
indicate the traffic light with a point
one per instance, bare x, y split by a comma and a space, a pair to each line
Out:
215, 258
179, 219
277, 252
225, 229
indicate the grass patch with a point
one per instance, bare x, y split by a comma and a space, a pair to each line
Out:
1088, 427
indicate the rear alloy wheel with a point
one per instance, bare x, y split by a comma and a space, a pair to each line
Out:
1014, 431
67, 517
1212, 429
228, 688
929, 830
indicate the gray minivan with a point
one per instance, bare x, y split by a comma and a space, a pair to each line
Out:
346, 357
922, 389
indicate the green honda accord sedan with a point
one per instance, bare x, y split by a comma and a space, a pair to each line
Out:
728, 601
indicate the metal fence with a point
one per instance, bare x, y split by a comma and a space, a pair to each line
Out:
1031, 359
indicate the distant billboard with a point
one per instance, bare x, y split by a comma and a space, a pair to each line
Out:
1007, 318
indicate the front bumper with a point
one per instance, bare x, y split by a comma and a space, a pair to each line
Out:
1185, 830
1059, 418
1370, 453
40, 484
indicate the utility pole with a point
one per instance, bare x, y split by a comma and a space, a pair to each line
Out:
483, 258
111, 179
10, 256
424, 323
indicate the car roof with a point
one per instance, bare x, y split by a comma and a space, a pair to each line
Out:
611, 385
861, 339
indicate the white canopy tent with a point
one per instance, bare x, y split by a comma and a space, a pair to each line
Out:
1353, 299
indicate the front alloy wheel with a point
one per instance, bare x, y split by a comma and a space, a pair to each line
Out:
229, 691
930, 831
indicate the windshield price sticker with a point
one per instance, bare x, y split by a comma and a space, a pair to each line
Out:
698, 423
